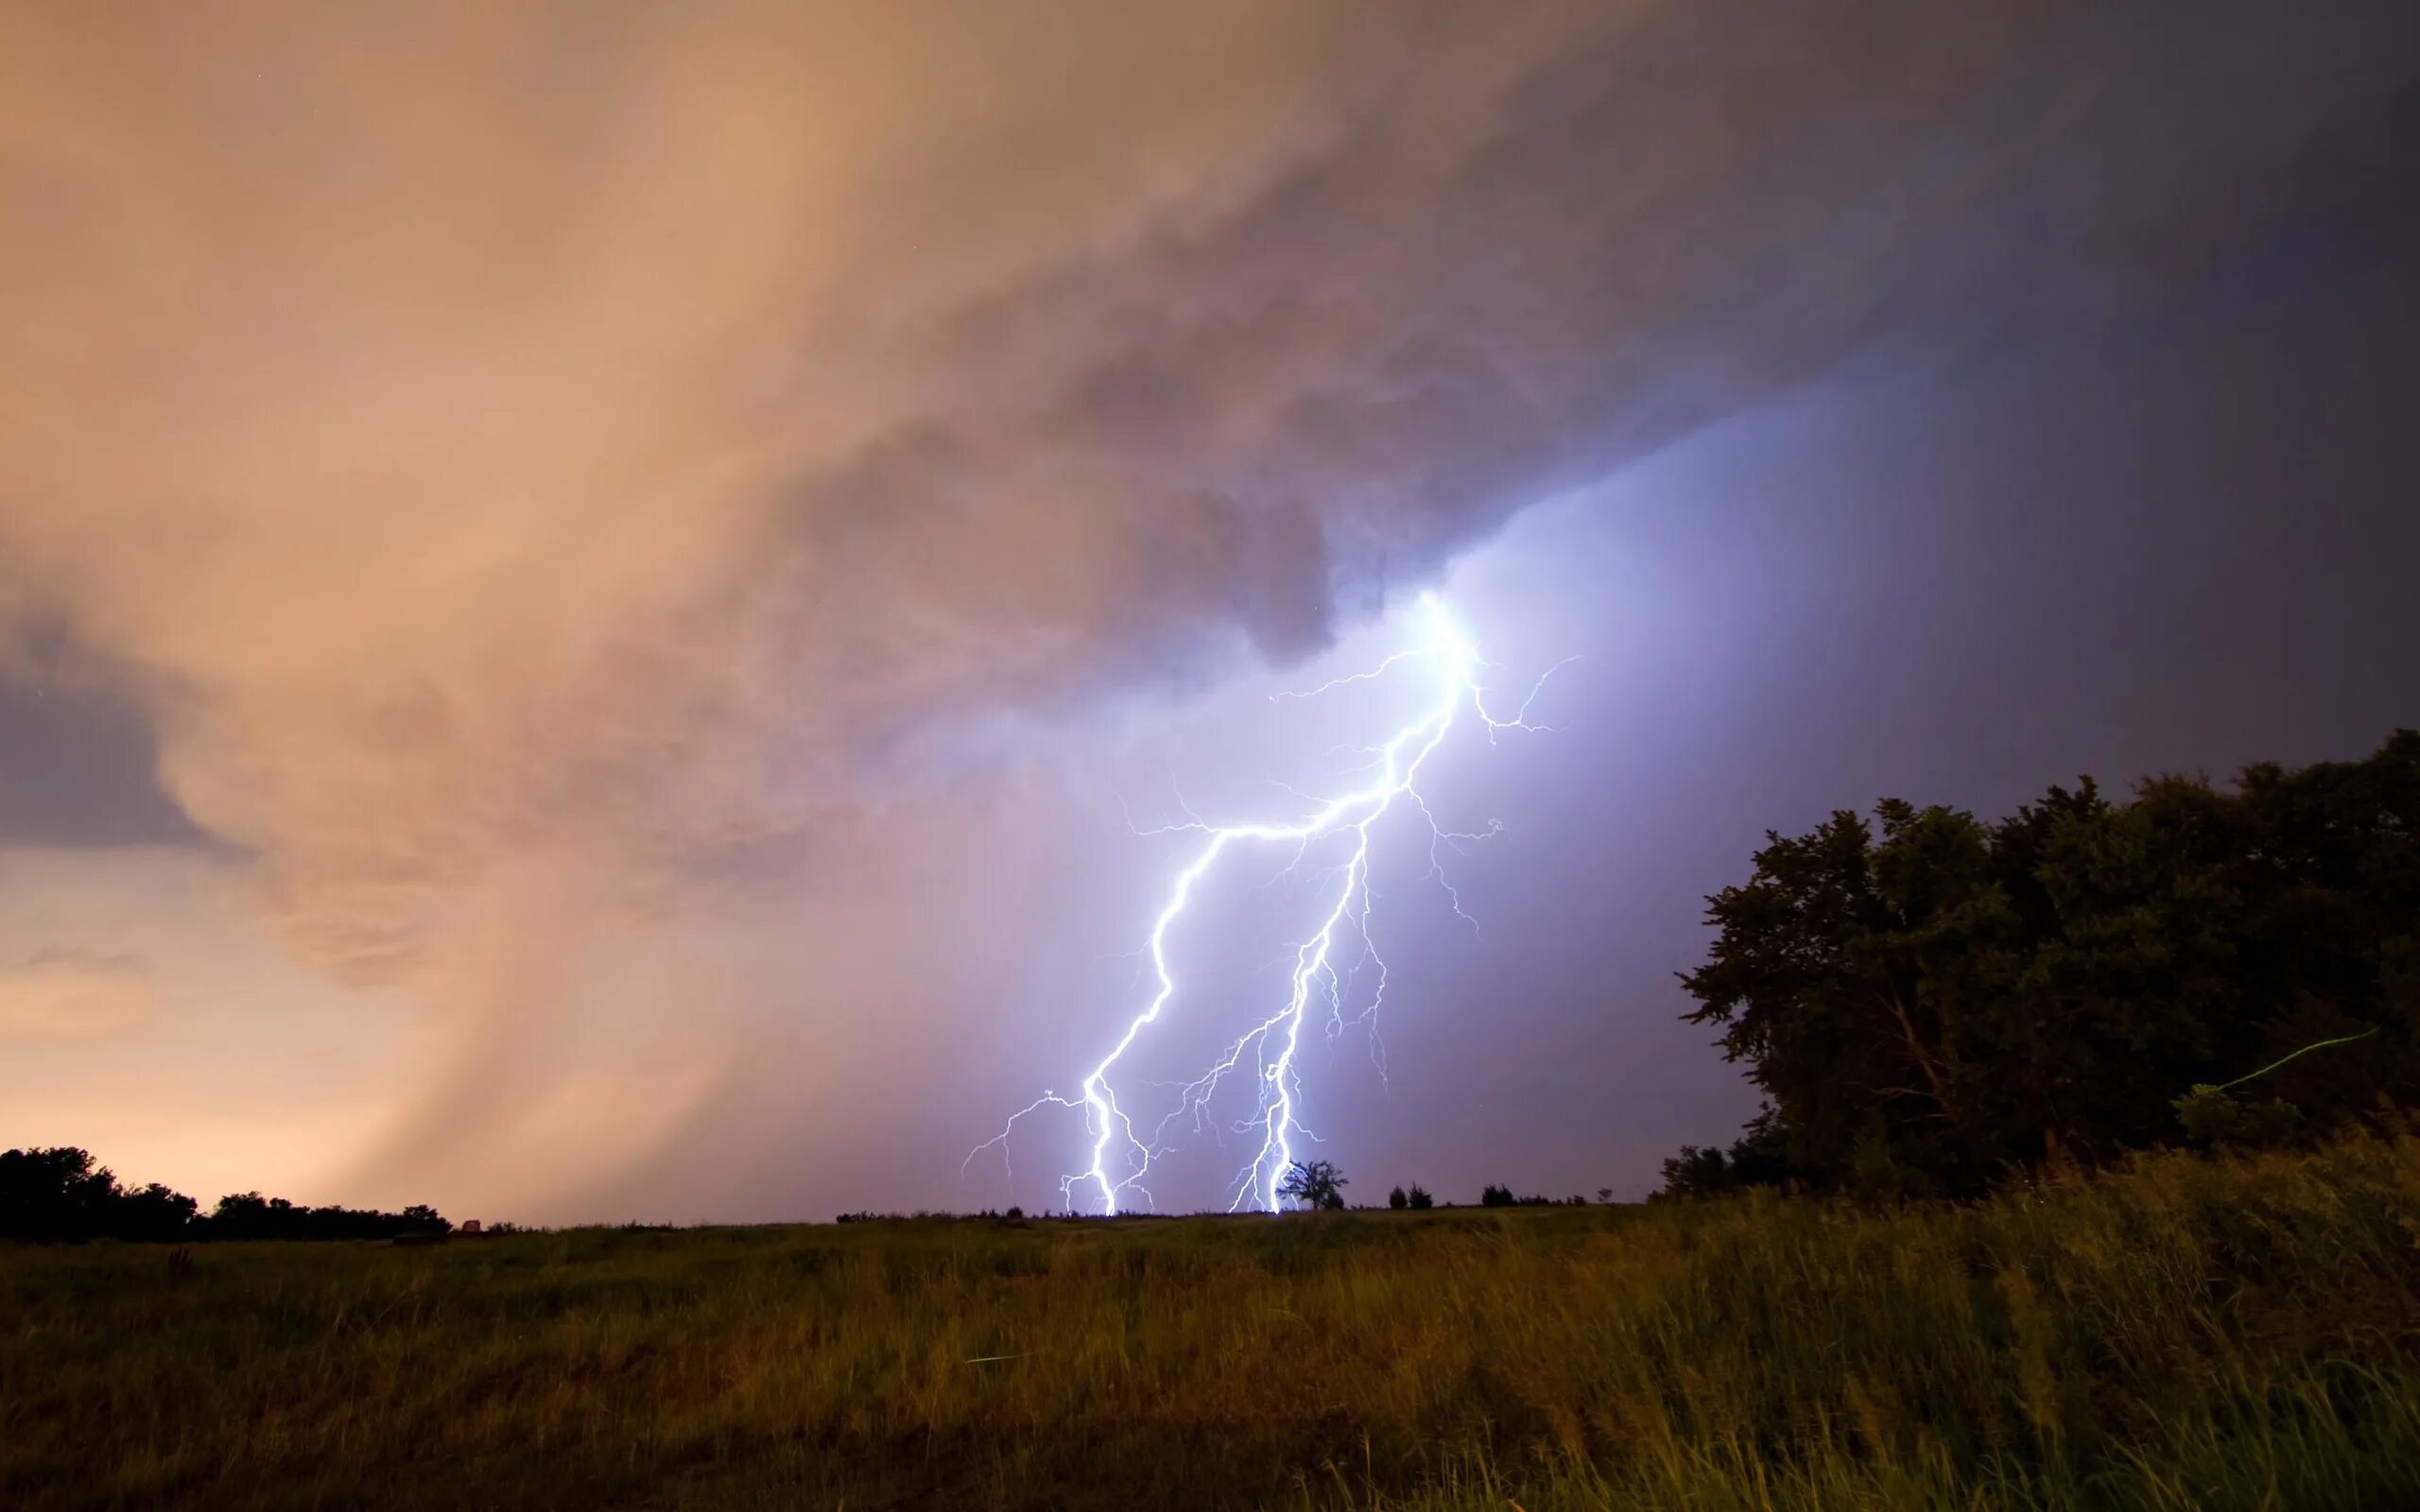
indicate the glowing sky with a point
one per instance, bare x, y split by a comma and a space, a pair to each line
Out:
587, 592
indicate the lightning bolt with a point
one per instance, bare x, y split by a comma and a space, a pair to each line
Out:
1121, 1159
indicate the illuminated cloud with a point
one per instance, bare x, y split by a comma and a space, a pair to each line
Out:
521, 459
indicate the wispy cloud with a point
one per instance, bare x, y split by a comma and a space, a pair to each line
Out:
58, 993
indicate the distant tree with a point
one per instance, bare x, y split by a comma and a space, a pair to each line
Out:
1421, 1200
54, 1193
1604, 1194
153, 1212
1495, 1197
63, 1194
1932, 1001
1316, 1184
1398, 1200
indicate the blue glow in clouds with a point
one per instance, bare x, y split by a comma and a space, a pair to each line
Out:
1120, 1158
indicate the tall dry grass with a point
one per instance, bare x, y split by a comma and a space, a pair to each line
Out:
2183, 1333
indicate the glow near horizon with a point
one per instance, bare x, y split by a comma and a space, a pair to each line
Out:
1398, 762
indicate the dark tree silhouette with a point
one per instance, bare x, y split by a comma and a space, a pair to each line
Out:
1317, 1184
1421, 1200
1398, 1200
56, 1194
1495, 1197
1932, 1002
154, 1213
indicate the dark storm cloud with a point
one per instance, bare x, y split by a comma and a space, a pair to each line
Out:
76, 768
1427, 317
548, 454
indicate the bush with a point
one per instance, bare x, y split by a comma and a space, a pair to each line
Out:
2211, 1115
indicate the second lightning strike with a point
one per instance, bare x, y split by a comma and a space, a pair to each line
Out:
1120, 1159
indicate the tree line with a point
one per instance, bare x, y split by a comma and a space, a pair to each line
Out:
1932, 1004
1320, 1187
61, 1195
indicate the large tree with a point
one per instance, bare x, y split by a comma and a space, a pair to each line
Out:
1930, 1001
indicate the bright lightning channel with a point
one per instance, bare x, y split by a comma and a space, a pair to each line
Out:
1120, 1159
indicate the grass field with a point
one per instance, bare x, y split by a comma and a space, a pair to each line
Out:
2185, 1334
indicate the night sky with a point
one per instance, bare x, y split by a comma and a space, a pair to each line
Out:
596, 602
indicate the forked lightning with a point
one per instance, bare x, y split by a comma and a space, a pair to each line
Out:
1120, 1159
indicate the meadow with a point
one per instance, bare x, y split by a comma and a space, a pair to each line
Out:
2181, 1333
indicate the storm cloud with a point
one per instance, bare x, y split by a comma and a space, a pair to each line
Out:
574, 495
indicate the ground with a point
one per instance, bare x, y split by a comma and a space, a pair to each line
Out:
2188, 1332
